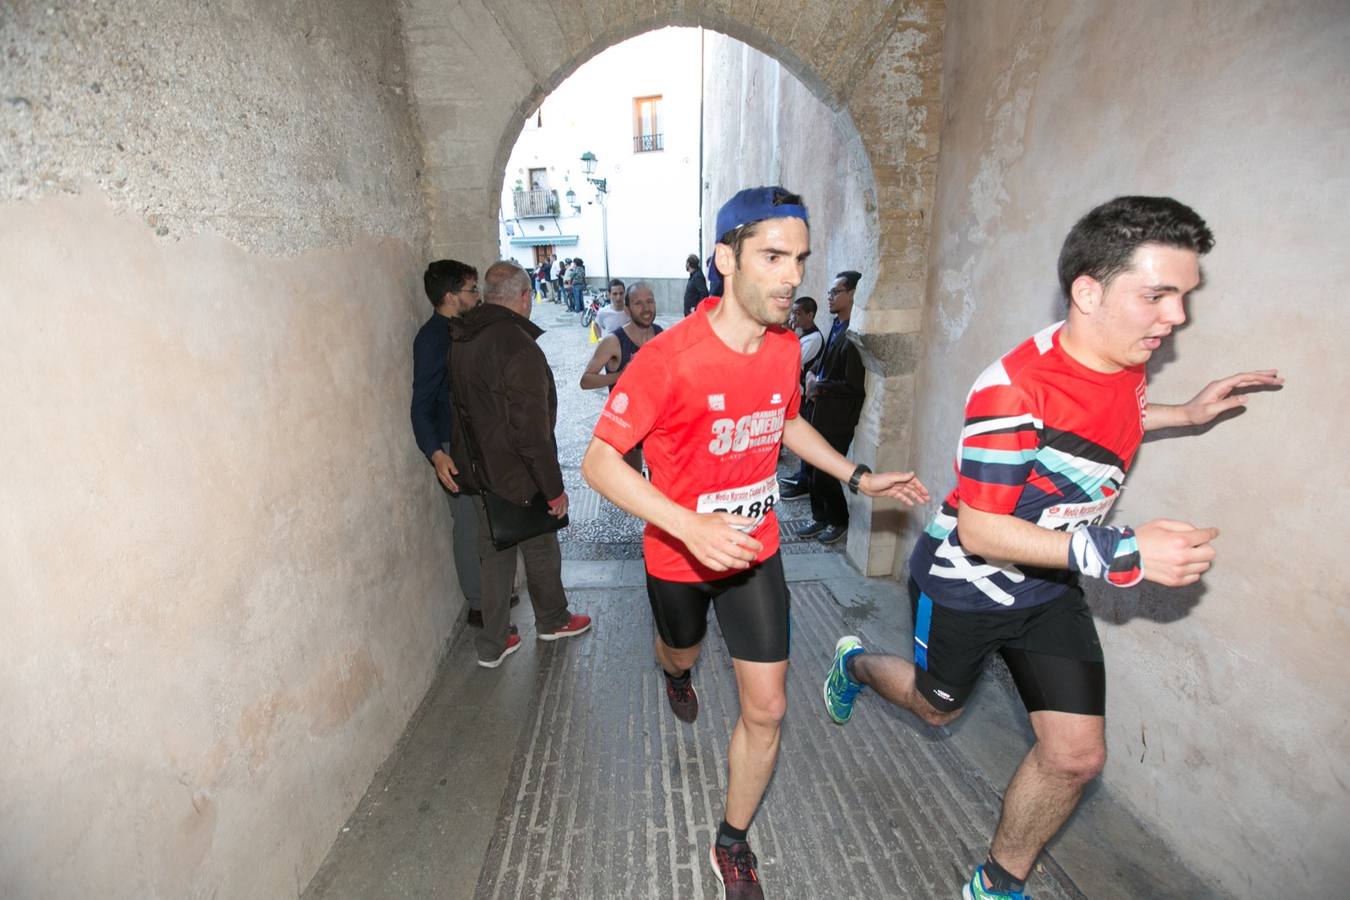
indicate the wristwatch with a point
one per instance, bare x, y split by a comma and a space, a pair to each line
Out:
856, 478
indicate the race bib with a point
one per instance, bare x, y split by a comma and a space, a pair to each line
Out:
753, 501
1072, 516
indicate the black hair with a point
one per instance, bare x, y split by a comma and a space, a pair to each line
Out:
691, 261
807, 303
851, 279
742, 233
616, 283
446, 276
1102, 243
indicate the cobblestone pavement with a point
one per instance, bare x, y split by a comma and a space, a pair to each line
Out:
563, 774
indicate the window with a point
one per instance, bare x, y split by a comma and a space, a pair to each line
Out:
647, 124
539, 179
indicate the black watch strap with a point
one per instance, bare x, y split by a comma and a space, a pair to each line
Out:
856, 478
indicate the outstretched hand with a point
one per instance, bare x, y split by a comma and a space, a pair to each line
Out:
1217, 397
902, 486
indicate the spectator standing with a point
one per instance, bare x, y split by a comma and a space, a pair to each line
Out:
505, 389
696, 288
614, 316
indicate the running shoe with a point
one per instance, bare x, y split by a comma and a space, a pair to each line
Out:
811, 530
734, 866
840, 688
792, 490
683, 700
576, 625
975, 890
512, 645
833, 535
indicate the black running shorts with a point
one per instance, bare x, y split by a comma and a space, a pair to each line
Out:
752, 611
1052, 651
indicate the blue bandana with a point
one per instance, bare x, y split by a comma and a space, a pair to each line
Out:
750, 205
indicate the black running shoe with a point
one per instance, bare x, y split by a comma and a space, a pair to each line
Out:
734, 866
683, 700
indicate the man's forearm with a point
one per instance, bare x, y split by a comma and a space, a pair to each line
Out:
591, 380
1007, 538
605, 470
802, 439
1163, 415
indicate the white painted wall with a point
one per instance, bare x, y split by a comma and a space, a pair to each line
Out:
653, 196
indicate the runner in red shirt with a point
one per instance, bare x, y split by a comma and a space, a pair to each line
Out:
710, 399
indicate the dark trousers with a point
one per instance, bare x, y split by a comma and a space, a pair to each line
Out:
828, 505
543, 580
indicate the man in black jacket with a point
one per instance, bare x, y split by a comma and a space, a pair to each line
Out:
452, 288
696, 288
836, 390
504, 390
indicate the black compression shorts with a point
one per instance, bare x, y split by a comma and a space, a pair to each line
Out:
1052, 651
752, 611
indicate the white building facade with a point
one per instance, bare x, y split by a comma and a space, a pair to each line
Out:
616, 107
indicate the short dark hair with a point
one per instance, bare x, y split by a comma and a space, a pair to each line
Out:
807, 303
741, 233
616, 283
691, 261
1102, 243
851, 279
446, 276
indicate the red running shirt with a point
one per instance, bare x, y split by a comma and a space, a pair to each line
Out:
710, 421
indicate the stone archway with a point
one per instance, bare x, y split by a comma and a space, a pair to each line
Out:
478, 70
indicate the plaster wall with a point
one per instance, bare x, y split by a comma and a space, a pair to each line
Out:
226, 577
1228, 718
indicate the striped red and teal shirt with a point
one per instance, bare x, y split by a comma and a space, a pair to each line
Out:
1047, 440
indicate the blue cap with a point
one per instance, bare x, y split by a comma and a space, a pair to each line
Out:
748, 206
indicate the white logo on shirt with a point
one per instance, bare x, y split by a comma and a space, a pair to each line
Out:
759, 429
717, 401
620, 403
776, 398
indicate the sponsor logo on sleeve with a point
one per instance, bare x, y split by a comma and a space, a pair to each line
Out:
717, 402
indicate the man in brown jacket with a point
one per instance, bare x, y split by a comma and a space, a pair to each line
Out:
502, 383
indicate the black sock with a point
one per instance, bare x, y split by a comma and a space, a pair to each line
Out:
680, 680
1000, 879
726, 835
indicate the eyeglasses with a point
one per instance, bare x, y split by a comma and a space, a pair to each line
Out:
468, 290
834, 292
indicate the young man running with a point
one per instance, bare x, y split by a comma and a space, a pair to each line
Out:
617, 349
1050, 431
710, 399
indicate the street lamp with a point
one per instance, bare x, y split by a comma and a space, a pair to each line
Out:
588, 163
571, 198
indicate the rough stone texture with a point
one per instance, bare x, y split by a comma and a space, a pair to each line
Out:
1227, 707
281, 126
226, 573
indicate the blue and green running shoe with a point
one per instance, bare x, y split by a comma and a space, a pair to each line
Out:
840, 688
975, 890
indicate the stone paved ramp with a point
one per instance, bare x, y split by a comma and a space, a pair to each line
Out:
609, 796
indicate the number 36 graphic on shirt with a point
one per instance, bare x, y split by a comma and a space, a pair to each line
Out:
736, 435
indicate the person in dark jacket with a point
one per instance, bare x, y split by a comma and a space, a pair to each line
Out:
836, 391
697, 287
452, 288
509, 406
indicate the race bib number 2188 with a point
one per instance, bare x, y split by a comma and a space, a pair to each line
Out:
752, 500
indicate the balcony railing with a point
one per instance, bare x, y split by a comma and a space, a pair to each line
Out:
645, 143
535, 203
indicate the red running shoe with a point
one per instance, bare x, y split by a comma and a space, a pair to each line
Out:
576, 625
512, 645
734, 866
